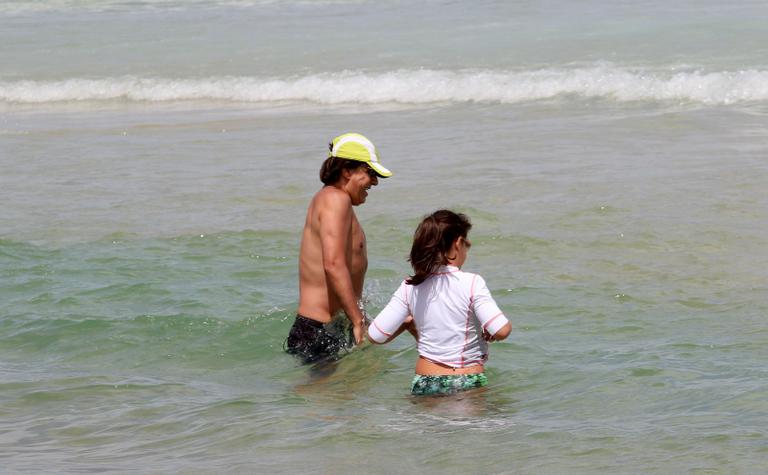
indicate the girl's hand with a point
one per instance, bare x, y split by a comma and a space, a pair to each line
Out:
499, 335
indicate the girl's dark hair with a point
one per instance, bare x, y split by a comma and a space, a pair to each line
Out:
432, 241
330, 172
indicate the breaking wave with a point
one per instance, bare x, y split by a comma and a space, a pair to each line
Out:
410, 87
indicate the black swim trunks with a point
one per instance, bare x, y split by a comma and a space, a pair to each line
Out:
313, 341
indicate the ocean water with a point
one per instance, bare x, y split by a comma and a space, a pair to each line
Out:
157, 157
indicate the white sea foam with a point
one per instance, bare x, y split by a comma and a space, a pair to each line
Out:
23, 7
411, 87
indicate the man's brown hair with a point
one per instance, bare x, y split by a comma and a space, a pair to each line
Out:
332, 167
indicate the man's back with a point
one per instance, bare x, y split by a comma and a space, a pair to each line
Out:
333, 257
323, 235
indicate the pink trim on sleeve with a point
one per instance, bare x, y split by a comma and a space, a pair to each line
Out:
379, 329
500, 314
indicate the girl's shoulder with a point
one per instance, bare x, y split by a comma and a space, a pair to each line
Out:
468, 275
472, 281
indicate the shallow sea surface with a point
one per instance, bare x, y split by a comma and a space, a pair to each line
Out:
157, 158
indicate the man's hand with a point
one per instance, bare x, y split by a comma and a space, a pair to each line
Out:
359, 332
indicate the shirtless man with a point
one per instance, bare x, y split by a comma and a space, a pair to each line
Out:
333, 257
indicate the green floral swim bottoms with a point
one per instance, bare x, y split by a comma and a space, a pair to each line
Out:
447, 384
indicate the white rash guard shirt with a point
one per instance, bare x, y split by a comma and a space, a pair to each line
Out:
451, 308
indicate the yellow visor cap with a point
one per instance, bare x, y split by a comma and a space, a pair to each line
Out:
357, 147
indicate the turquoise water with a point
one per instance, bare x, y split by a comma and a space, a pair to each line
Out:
157, 159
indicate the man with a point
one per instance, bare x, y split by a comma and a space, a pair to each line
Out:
333, 257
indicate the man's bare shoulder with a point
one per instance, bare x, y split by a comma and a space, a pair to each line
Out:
330, 198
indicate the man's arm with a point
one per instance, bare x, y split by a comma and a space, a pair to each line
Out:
335, 229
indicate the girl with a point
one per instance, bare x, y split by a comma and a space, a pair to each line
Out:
452, 311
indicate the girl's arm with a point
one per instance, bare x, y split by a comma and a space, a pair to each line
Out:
501, 334
408, 324
496, 327
393, 320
